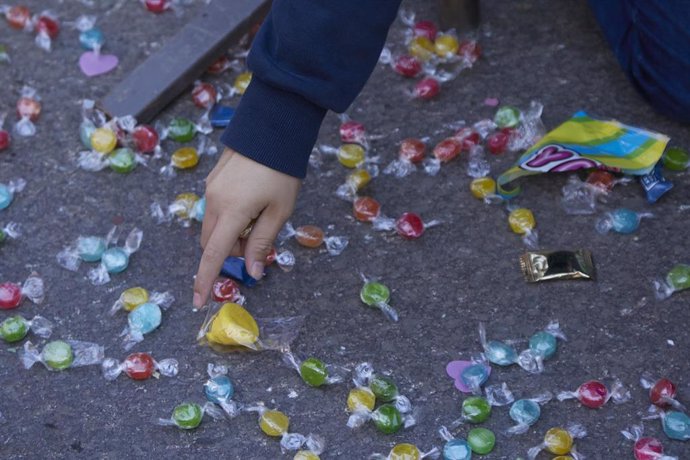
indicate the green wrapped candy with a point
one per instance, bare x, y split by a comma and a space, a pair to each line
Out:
313, 372
187, 416
507, 117
181, 130
676, 159
387, 419
374, 293
383, 388
122, 160
679, 277
14, 329
476, 409
481, 440
57, 355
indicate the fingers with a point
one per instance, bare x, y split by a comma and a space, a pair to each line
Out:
260, 240
224, 158
222, 240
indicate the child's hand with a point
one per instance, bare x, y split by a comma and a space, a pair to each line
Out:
239, 190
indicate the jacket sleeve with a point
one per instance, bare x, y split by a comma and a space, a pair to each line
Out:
310, 56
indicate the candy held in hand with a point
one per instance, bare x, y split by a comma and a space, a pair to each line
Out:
15, 328
621, 220
558, 441
11, 294
677, 279
59, 355
594, 394
188, 416
8, 191
377, 295
139, 366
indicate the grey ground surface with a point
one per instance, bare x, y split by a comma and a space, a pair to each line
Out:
458, 274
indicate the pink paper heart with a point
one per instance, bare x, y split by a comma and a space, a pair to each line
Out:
93, 64
455, 368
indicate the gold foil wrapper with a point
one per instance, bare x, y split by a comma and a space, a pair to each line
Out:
557, 265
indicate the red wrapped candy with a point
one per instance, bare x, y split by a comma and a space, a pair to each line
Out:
447, 150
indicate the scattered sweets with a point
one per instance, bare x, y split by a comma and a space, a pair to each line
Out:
59, 355
469, 376
454, 448
676, 159
366, 209
654, 184
226, 290
409, 225
594, 394
526, 412
188, 416
15, 328
28, 111
241, 84
12, 294
481, 440
276, 424
411, 152
559, 441
139, 366
186, 207
621, 220
502, 354
662, 392
220, 390
544, 266
204, 95
184, 130
676, 424
145, 318
47, 27
406, 451
311, 236
11, 230
544, 344
115, 260
187, 157
134, 297
313, 371
312, 448
677, 279
522, 222
4, 134
86, 249
645, 448
377, 295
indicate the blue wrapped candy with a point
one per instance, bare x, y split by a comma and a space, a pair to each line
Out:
502, 354
621, 220
221, 115
7, 192
220, 390
526, 412
234, 267
455, 448
144, 319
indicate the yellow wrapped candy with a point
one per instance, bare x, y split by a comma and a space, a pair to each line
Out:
558, 441
446, 45
351, 155
185, 158
103, 140
242, 82
404, 451
274, 423
183, 204
234, 326
483, 187
359, 178
521, 221
133, 297
422, 48
306, 455
361, 398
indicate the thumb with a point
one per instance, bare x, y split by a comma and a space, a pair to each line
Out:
260, 241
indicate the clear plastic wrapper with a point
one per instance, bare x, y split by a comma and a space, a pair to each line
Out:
526, 412
184, 130
594, 394
503, 354
47, 27
621, 220
15, 328
454, 448
229, 327
313, 371
86, 249
116, 259
544, 344
662, 392
377, 295
407, 451
134, 297
91, 37
580, 198
220, 390
188, 157
188, 416
276, 424
139, 366
477, 409
412, 152
312, 449
11, 231
677, 279
523, 223
409, 225
311, 236
145, 318
186, 207
9, 190
676, 424
58, 355
356, 181
12, 294
28, 111
121, 160
560, 441
645, 448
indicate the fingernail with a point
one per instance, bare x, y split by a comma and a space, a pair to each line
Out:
197, 300
257, 270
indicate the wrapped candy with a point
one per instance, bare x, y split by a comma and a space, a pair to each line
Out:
484, 188
405, 451
230, 327
676, 424
220, 390
559, 441
276, 424
28, 111
226, 290
676, 159
145, 318
91, 119
204, 95
356, 181
503, 354
454, 448
311, 236
543, 344
183, 130
188, 416
481, 440
405, 65
580, 198
621, 220
122, 160
645, 448
477, 165
396, 411
221, 115
187, 157
313, 371
15, 328
352, 131
4, 58
409, 225
116, 259
313, 447
85, 248
654, 184
157, 6
186, 207
139, 366
11, 294
47, 29
522, 222
469, 376
7, 192
90, 37
4, 134
103, 140
18, 17
236, 267
366, 209
350, 155
677, 279
59, 355
662, 392
477, 409
411, 152
11, 230
241, 83
134, 297
377, 295
145, 139
526, 412
594, 394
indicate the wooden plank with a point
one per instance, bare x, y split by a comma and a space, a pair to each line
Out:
157, 81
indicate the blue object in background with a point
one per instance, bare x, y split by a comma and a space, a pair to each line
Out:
234, 268
221, 115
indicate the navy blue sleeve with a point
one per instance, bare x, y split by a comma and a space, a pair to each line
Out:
310, 56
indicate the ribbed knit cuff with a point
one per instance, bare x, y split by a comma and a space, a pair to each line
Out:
275, 128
